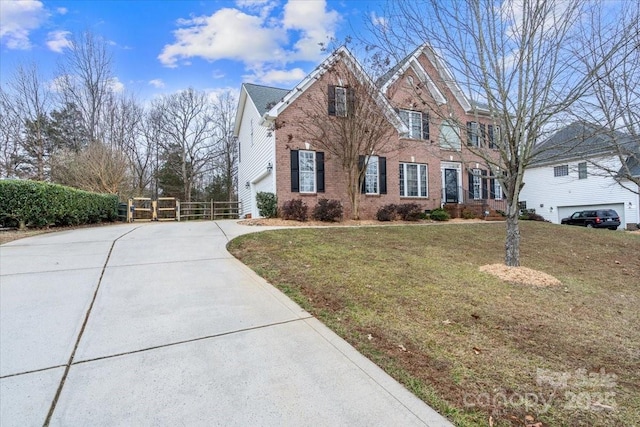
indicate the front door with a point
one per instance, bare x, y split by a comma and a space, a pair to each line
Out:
451, 186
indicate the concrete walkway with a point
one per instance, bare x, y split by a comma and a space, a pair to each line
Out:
157, 324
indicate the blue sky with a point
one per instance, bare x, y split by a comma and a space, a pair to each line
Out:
164, 46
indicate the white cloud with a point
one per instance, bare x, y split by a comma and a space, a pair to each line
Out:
379, 21
256, 36
316, 26
62, 10
57, 41
18, 19
282, 77
228, 34
218, 74
157, 83
116, 85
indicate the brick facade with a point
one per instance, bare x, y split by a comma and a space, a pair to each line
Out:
402, 94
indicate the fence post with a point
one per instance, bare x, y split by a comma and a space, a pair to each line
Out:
212, 206
177, 210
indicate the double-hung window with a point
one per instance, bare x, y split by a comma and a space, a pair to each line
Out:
307, 171
497, 190
417, 122
413, 180
476, 183
582, 170
372, 180
476, 134
375, 174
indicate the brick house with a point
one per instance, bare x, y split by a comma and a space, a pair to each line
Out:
428, 159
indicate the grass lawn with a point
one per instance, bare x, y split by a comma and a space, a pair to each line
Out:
477, 349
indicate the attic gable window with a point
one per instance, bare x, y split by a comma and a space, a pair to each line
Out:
417, 122
338, 97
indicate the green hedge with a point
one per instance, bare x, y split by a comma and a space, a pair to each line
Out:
40, 204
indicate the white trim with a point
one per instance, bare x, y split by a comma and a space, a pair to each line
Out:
422, 75
457, 166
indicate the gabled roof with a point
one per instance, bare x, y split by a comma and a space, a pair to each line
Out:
341, 54
262, 98
582, 141
265, 97
445, 75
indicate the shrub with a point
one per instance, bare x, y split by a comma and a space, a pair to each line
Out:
409, 211
439, 215
41, 204
386, 213
468, 214
267, 204
294, 209
530, 215
327, 210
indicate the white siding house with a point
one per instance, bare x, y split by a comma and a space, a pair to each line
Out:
563, 182
256, 144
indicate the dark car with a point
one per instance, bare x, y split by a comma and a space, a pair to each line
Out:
600, 218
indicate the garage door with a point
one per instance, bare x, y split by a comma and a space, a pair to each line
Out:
566, 211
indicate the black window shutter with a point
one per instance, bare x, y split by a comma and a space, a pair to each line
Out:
492, 188
469, 133
483, 135
332, 100
361, 171
320, 172
382, 169
470, 185
425, 126
295, 177
485, 187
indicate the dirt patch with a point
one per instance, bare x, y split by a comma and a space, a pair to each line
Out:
521, 275
344, 223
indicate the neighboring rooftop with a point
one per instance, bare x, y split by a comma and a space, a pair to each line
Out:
264, 97
581, 140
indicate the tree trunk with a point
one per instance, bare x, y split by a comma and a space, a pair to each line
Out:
354, 195
512, 243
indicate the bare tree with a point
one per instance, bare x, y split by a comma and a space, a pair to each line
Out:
226, 166
517, 57
356, 128
11, 129
29, 103
97, 168
188, 129
86, 80
612, 106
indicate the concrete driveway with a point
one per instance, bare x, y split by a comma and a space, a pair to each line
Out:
157, 324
